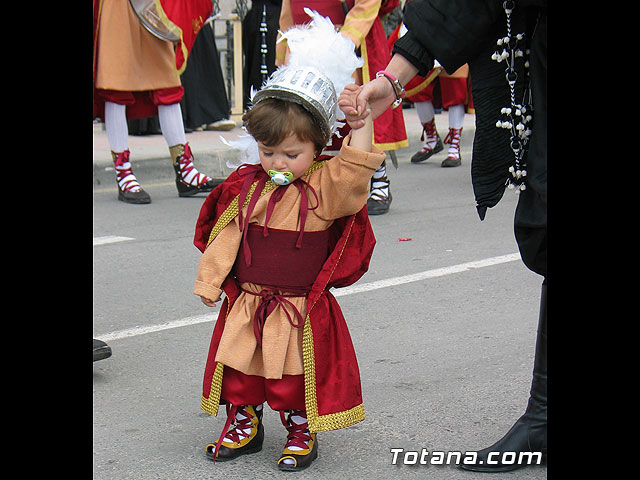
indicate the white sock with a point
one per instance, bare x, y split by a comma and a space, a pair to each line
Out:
171, 124
425, 111
456, 116
115, 123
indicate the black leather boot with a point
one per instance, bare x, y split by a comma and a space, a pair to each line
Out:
529, 433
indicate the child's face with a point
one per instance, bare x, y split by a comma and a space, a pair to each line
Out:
291, 155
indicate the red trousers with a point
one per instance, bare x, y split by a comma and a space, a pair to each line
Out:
163, 96
139, 104
453, 92
286, 393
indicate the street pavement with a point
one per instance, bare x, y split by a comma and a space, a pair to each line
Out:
443, 324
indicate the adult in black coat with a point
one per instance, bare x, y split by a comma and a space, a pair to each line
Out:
456, 32
205, 100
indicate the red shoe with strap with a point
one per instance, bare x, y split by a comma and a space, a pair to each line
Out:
189, 181
302, 446
244, 437
129, 190
454, 159
432, 142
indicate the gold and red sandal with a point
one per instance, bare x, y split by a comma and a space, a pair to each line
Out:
242, 434
302, 446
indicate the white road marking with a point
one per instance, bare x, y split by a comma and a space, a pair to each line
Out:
416, 277
110, 239
134, 332
365, 287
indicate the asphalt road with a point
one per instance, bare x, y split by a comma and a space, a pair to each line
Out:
445, 356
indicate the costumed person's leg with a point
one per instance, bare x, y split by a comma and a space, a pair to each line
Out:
430, 137
243, 432
456, 120
454, 97
115, 122
380, 197
188, 180
287, 396
529, 433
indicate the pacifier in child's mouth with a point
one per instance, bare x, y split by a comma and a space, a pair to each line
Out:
280, 178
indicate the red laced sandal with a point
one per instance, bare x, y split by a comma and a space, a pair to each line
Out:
432, 142
188, 180
302, 446
454, 159
129, 190
244, 437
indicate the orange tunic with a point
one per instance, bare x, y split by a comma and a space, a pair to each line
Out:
342, 186
131, 59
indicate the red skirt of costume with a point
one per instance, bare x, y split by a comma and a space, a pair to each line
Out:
332, 389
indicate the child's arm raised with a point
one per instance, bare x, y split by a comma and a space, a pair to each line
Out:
361, 136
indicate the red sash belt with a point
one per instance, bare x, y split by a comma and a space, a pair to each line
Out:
269, 300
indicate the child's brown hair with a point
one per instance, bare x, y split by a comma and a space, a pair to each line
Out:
272, 120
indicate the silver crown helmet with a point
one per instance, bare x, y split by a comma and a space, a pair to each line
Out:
308, 87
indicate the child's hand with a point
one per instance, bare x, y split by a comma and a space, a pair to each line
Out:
208, 302
347, 101
358, 116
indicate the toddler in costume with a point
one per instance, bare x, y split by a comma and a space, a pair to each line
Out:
286, 226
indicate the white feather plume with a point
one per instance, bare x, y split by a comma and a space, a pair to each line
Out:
318, 44
247, 148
